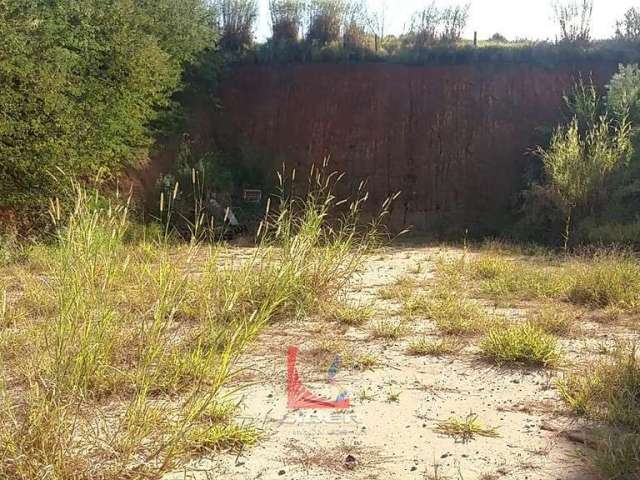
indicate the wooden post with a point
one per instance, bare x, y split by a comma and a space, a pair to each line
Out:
475, 39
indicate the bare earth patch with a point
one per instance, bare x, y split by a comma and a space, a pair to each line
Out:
391, 429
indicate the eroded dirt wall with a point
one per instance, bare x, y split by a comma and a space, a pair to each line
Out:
453, 139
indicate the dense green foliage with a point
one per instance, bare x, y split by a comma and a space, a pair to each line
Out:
591, 168
81, 82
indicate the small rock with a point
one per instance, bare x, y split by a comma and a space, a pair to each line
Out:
281, 472
414, 468
350, 462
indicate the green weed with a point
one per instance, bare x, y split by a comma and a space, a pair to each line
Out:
427, 347
466, 428
526, 343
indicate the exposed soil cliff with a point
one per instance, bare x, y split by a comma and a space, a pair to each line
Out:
453, 139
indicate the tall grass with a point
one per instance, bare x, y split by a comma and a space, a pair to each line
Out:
609, 392
603, 279
126, 349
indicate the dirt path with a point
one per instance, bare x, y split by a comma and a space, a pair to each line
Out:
389, 432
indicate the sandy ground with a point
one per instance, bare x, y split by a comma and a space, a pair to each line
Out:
389, 432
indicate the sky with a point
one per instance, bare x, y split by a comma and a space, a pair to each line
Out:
512, 18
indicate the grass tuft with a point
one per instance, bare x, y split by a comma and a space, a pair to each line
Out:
389, 329
352, 315
452, 313
466, 428
427, 347
609, 280
222, 438
526, 343
609, 392
554, 321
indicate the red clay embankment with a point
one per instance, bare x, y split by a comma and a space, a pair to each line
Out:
453, 139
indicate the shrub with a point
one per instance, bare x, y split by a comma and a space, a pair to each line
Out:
577, 166
80, 84
525, 343
623, 94
357, 20
454, 20
626, 234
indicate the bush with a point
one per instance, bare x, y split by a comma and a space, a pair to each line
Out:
80, 84
574, 19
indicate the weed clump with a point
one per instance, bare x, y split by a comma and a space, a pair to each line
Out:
389, 329
426, 347
610, 392
466, 429
526, 343
120, 355
554, 321
352, 315
606, 281
453, 314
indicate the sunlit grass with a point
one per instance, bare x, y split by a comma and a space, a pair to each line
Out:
389, 329
352, 315
452, 313
526, 344
466, 428
425, 346
608, 280
119, 349
609, 392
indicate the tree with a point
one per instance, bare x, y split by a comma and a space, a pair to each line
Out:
623, 97
81, 82
576, 166
628, 28
326, 18
424, 27
499, 38
377, 22
432, 25
355, 27
286, 19
237, 20
574, 19
453, 21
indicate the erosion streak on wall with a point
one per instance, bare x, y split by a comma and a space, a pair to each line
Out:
453, 139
